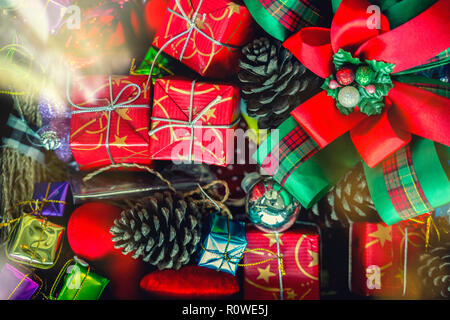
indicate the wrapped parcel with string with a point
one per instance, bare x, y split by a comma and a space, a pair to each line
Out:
110, 120
35, 242
288, 268
383, 259
18, 284
77, 281
193, 121
205, 35
224, 245
51, 197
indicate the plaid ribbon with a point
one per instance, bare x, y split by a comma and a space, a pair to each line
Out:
291, 151
22, 137
403, 186
293, 15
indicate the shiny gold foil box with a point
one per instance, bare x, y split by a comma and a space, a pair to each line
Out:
35, 242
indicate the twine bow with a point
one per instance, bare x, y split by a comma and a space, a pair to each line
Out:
110, 107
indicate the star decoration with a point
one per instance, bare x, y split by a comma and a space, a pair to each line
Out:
383, 234
265, 273
273, 239
234, 8
210, 114
315, 258
291, 295
123, 113
120, 141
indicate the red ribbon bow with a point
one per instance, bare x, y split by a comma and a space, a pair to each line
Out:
407, 110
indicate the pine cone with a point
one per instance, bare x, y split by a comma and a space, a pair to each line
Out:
273, 82
163, 229
435, 272
348, 201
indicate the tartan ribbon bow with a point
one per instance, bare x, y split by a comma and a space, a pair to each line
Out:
110, 107
408, 109
192, 122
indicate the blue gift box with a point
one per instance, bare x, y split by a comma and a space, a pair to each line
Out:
443, 211
52, 197
224, 245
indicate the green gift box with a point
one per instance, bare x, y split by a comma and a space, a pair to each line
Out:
164, 66
80, 282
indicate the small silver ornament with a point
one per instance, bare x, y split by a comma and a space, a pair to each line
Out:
270, 207
50, 140
348, 97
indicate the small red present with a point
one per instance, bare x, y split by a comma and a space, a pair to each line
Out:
206, 35
110, 121
380, 256
193, 121
299, 249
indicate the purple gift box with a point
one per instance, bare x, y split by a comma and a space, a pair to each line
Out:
53, 195
16, 285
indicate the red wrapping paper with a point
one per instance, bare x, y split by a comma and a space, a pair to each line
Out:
224, 21
128, 136
300, 249
379, 249
172, 101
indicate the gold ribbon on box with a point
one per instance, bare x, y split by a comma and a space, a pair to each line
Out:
35, 242
192, 122
112, 105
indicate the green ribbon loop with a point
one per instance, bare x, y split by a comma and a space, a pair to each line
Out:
430, 162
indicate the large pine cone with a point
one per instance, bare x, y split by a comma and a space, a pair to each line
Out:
435, 272
348, 201
164, 229
273, 82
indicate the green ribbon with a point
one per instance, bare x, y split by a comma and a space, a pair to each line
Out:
428, 159
317, 175
272, 25
439, 87
397, 11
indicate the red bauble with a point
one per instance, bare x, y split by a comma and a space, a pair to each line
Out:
154, 13
88, 230
345, 76
89, 237
190, 282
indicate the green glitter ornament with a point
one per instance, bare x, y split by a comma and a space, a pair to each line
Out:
364, 75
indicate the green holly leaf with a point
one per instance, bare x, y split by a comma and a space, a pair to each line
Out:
381, 90
381, 77
380, 66
371, 106
342, 57
330, 92
343, 109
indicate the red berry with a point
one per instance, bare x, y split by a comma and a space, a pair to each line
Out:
370, 88
345, 76
333, 84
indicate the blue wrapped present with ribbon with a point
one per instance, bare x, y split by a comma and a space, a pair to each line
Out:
51, 197
443, 211
224, 245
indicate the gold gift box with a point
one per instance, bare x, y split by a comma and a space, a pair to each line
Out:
35, 242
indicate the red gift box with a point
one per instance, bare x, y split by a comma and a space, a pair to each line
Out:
299, 247
206, 35
110, 121
378, 254
193, 121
